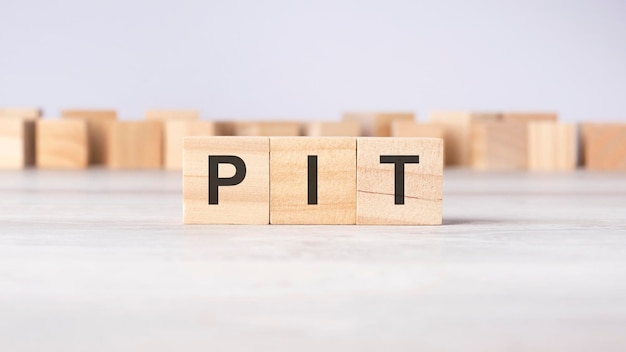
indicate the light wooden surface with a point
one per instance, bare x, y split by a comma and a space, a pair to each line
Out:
100, 261
175, 131
377, 124
98, 130
605, 146
17, 143
135, 145
61, 144
500, 145
552, 146
335, 177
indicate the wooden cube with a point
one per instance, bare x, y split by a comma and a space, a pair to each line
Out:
414, 129
62, 144
457, 131
312, 180
135, 145
530, 116
17, 143
27, 113
175, 132
226, 180
377, 124
333, 129
499, 145
98, 124
268, 128
172, 114
605, 146
399, 181
552, 146
225, 128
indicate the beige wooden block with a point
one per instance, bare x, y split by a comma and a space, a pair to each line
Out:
529, 116
377, 124
333, 129
312, 180
414, 129
98, 124
457, 131
61, 144
499, 145
268, 128
225, 128
391, 194
27, 113
17, 143
552, 146
175, 132
172, 114
245, 200
605, 146
135, 145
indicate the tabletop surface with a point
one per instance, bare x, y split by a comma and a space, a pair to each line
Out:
99, 260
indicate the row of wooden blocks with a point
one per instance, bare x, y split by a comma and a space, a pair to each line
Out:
483, 141
317, 180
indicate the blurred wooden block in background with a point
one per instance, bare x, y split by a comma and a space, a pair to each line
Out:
243, 202
529, 116
98, 122
17, 143
333, 129
267, 128
377, 124
415, 129
552, 146
135, 145
225, 128
605, 146
172, 114
175, 133
61, 144
27, 113
457, 131
382, 198
327, 195
499, 145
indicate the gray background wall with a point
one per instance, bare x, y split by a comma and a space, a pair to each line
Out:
294, 59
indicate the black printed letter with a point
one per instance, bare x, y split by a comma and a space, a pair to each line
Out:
215, 181
399, 161
312, 179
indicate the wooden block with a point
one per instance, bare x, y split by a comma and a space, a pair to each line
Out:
17, 143
457, 130
61, 144
530, 116
312, 180
499, 145
377, 124
333, 129
268, 129
22, 113
135, 145
98, 124
225, 128
605, 146
392, 194
552, 146
172, 114
245, 200
414, 129
175, 132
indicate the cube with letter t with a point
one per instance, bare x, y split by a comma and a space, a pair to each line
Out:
399, 181
226, 180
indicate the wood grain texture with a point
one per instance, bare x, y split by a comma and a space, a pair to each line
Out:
605, 146
17, 143
268, 128
61, 144
377, 124
98, 125
552, 146
27, 113
422, 182
415, 129
333, 129
172, 114
135, 145
499, 145
245, 203
530, 116
457, 126
175, 132
336, 180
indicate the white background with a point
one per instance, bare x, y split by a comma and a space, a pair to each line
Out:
312, 60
